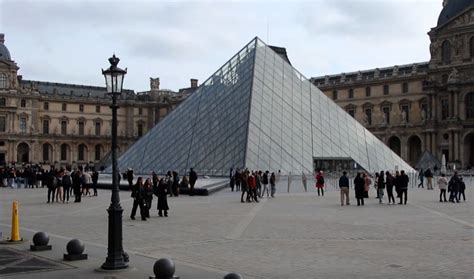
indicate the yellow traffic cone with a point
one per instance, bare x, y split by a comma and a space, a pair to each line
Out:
15, 236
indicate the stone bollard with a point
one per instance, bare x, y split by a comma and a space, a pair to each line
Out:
75, 249
40, 242
233, 276
164, 269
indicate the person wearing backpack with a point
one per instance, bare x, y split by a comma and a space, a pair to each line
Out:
320, 183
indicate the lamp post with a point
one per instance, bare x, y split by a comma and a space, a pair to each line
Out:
116, 258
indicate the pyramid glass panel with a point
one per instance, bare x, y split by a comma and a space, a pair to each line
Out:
257, 112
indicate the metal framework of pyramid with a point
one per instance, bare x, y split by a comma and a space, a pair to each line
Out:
256, 112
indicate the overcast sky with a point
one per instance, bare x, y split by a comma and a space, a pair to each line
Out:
70, 41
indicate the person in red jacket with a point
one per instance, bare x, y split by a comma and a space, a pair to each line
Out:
252, 183
320, 183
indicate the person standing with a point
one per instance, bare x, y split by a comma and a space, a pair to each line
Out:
253, 186
304, 180
381, 186
376, 184
76, 185
231, 179
265, 184
237, 180
138, 199
162, 205
403, 186
51, 183
244, 185
192, 180
367, 182
359, 187
320, 183
289, 181
67, 184
148, 196
397, 183
462, 189
272, 185
129, 176
344, 187
429, 177
258, 180
442, 185
454, 184
421, 177
389, 183
86, 183
175, 186
95, 180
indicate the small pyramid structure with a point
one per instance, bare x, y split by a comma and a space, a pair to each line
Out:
427, 160
256, 112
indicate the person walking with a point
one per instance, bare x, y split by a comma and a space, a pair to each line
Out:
442, 185
51, 184
67, 184
138, 199
231, 179
376, 184
421, 177
403, 186
244, 185
381, 186
76, 185
320, 183
462, 189
389, 183
304, 180
265, 184
453, 186
429, 177
193, 177
289, 181
237, 180
129, 176
95, 180
162, 205
253, 186
272, 185
344, 188
359, 187
148, 196
258, 180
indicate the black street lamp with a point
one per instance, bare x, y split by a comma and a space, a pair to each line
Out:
116, 257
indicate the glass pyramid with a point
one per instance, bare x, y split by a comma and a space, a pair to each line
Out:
258, 112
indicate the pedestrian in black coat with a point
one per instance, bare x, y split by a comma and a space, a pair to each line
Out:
138, 195
175, 186
359, 187
76, 185
95, 179
454, 186
192, 181
403, 186
390, 181
162, 198
462, 189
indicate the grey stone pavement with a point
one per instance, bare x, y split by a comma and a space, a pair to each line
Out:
294, 235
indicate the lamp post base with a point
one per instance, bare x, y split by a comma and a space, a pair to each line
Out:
116, 257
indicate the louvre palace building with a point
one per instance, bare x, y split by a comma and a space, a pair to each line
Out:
63, 124
419, 107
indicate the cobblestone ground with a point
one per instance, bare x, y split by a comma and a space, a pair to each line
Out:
294, 235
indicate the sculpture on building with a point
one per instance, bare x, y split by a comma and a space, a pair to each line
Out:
359, 76
155, 83
453, 76
423, 115
395, 71
377, 73
343, 77
414, 68
326, 80
434, 47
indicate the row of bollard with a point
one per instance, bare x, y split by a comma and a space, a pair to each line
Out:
163, 268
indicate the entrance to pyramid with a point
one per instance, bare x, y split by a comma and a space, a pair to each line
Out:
335, 164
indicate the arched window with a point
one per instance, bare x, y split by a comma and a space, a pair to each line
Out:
446, 52
470, 105
64, 152
3, 81
472, 46
23, 103
98, 151
81, 154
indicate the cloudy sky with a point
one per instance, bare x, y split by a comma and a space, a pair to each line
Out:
69, 41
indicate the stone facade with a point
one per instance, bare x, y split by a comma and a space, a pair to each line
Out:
55, 123
422, 106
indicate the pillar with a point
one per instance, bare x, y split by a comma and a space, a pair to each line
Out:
456, 104
457, 154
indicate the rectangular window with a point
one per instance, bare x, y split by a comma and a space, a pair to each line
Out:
406, 113
368, 91
97, 128
444, 109
386, 115
81, 128
45, 152
64, 107
140, 130
368, 114
63, 127
3, 122
351, 93
64, 152
46, 106
22, 125
405, 87
334, 95
97, 109
386, 89
81, 108
140, 111
45, 126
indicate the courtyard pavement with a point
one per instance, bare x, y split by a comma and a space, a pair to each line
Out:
294, 235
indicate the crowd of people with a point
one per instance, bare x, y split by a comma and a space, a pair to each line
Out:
253, 183
143, 190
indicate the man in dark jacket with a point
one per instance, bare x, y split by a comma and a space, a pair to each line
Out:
344, 186
192, 181
403, 186
95, 179
130, 178
454, 185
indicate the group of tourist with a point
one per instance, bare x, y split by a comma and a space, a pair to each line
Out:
143, 190
253, 183
63, 183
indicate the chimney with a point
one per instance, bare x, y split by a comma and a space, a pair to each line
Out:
194, 83
2, 38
